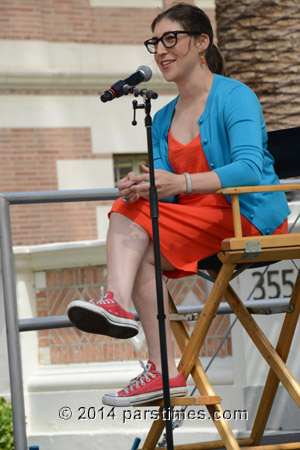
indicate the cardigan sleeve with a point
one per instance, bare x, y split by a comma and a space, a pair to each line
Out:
243, 121
157, 156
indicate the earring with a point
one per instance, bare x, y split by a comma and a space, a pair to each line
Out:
202, 60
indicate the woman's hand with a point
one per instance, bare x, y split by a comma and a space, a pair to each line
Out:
124, 186
166, 183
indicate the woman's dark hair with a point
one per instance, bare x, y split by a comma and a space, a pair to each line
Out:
193, 18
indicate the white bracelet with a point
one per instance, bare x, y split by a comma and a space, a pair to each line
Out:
188, 183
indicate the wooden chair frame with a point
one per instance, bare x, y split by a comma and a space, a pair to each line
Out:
235, 251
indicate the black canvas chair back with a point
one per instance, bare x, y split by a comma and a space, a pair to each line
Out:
285, 148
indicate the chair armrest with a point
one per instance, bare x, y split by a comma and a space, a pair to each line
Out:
235, 191
267, 188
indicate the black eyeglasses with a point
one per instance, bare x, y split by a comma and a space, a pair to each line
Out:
168, 39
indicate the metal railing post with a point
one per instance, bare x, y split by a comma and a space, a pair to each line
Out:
12, 328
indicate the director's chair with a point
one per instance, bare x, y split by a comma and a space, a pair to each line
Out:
237, 253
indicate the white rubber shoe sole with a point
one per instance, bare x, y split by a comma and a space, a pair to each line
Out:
115, 400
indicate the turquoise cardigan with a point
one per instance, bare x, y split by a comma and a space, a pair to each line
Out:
234, 140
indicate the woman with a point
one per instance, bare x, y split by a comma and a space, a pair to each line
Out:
211, 136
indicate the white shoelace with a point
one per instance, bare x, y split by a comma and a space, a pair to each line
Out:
102, 299
135, 382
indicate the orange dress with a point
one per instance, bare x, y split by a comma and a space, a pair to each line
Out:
193, 228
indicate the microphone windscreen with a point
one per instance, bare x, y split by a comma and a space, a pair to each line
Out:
147, 72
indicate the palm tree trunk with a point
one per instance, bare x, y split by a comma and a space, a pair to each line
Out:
260, 41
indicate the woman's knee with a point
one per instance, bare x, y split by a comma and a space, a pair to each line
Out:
150, 259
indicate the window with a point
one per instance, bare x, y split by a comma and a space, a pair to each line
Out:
125, 163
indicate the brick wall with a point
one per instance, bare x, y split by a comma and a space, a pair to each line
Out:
73, 21
28, 163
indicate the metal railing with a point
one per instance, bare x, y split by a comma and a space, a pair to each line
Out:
9, 288
14, 326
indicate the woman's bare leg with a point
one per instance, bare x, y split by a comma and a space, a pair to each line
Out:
131, 275
144, 299
126, 246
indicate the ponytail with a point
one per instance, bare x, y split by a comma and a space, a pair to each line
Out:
215, 60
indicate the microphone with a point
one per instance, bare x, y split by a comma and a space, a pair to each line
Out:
143, 73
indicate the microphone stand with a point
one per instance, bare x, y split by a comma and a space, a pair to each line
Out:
154, 213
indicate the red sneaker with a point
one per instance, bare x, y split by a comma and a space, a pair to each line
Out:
146, 387
104, 316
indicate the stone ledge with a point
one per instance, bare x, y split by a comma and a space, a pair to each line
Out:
60, 255
70, 81
110, 375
